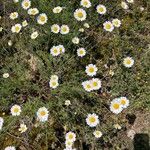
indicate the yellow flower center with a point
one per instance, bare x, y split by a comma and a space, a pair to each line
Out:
55, 28
108, 26
91, 69
123, 101
70, 136
26, 4
85, 3
42, 113
16, 110
64, 29
81, 52
92, 119
55, 51
42, 18
116, 106
101, 9
17, 28
80, 15
128, 61
53, 83
95, 83
88, 86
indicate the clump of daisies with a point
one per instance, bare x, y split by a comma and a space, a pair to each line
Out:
53, 83
128, 62
91, 85
42, 114
92, 120
70, 139
109, 26
118, 104
57, 50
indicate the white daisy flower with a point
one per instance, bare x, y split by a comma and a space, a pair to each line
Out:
116, 22
55, 51
124, 5
128, 62
87, 86
16, 28
55, 28
67, 103
81, 30
5, 75
42, 19
54, 78
26, 4
53, 84
108, 26
117, 126
124, 102
101, 9
1, 123
85, 3
15, 1
57, 9
91, 70
13, 15
22, 128
33, 11
10, 148
81, 52
15, 110
75, 40
130, 1
10, 43
96, 83
64, 29
80, 14
68, 144
71, 136
97, 133
86, 25
34, 35
61, 48
24, 23
92, 120
1, 29
115, 106
42, 114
